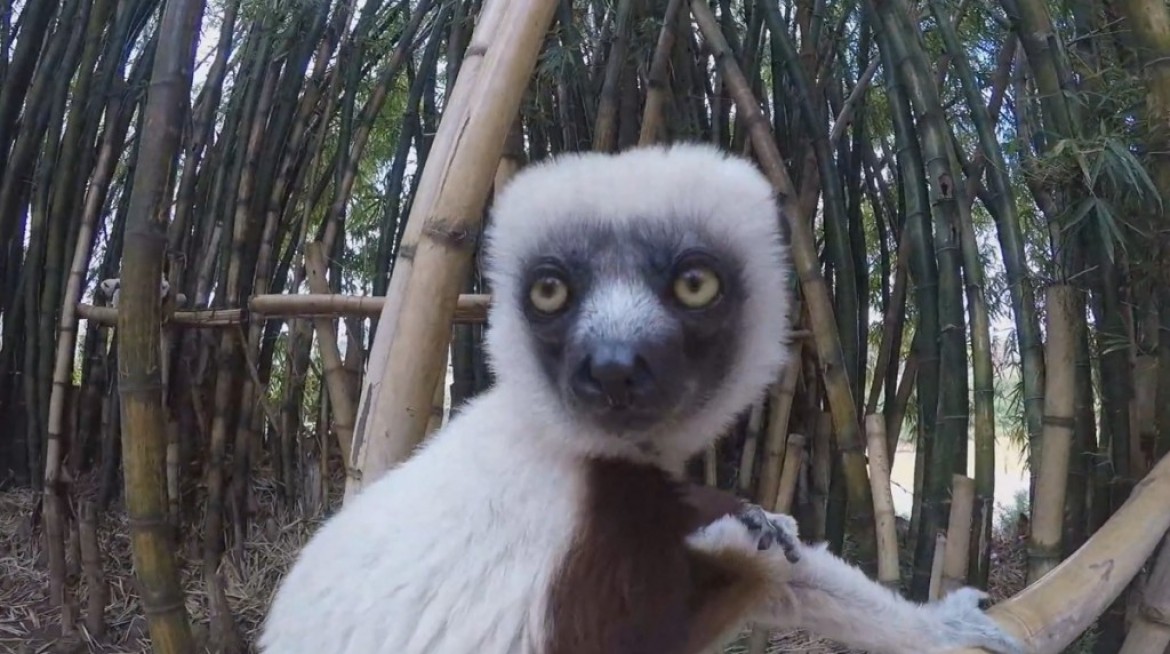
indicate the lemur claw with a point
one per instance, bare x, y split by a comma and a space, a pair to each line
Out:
772, 528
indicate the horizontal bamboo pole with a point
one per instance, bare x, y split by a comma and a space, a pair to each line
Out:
471, 309
1051, 613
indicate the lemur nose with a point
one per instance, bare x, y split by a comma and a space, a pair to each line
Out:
614, 372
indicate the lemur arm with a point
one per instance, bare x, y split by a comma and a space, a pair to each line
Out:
831, 598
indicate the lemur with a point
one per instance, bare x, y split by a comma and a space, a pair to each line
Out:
640, 305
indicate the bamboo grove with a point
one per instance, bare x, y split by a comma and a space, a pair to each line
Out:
945, 166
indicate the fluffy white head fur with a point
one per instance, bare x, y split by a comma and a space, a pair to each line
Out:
671, 186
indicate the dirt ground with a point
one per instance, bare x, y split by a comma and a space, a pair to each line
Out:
29, 624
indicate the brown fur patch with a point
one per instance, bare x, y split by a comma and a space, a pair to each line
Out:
630, 585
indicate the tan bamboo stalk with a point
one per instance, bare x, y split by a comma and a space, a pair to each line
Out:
888, 571
342, 403
957, 554
139, 317
91, 565
440, 232
1044, 547
1051, 613
786, 491
936, 568
780, 502
820, 475
458, 104
471, 308
1150, 630
830, 356
747, 460
658, 79
63, 364
780, 399
435, 420
605, 127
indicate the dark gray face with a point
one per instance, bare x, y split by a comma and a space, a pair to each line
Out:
633, 328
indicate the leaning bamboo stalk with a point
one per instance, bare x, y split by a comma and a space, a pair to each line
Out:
751, 446
786, 491
954, 574
1054, 611
457, 106
1150, 631
63, 364
440, 235
1059, 412
340, 399
830, 355
888, 571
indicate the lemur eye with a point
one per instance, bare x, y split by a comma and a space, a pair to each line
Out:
697, 287
549, 294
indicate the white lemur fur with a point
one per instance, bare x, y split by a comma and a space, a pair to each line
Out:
504, 532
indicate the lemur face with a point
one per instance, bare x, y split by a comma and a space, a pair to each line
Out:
637, 327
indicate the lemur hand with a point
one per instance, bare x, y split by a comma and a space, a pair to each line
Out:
967, 625
771, 528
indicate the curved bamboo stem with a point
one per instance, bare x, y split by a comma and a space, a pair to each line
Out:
1051, 613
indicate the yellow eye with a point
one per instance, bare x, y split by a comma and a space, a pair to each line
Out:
697, 287
549, 294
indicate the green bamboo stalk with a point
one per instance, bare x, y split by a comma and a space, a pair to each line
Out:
816, 293
948, 455
139, 316
837, 232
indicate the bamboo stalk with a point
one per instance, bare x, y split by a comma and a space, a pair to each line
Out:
340, 400
139, 317
1150, 630
786, 490
1051, 613
414, 325
775, 452
657, 81
936, 567
888, 571
955, 559
751, 445
1060, 410
830, 355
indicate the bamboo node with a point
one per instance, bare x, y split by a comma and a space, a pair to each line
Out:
1156, 615
1060, 421
453, 237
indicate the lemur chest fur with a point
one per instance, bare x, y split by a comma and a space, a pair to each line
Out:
629, 584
